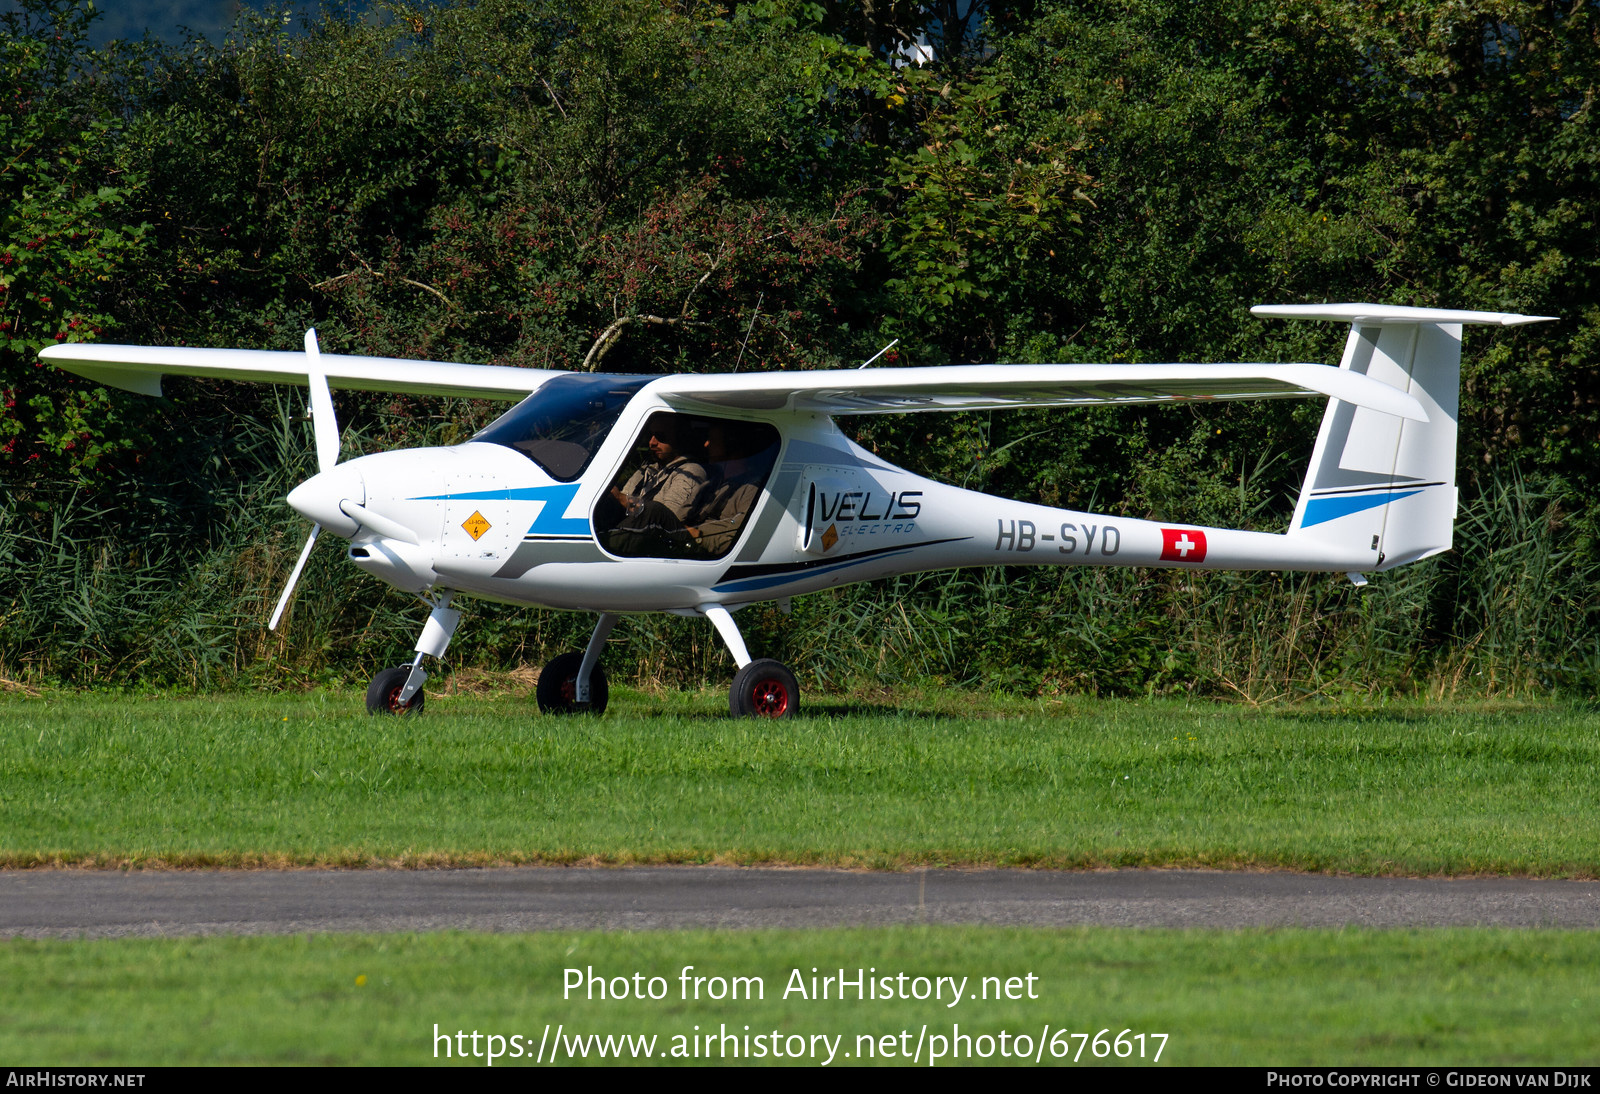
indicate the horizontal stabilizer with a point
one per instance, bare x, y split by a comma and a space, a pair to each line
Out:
140, 369
1379, 314
981, 387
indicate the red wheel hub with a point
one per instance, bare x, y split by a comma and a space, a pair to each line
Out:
770, 698
394, 699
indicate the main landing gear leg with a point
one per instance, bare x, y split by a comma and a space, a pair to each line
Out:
764, 688
399, 690
583, 687
575, 682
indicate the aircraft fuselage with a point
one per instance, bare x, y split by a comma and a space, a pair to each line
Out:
492, 523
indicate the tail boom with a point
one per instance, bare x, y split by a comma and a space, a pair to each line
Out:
1035, 535
967, 528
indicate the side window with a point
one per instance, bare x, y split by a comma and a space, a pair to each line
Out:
687, 487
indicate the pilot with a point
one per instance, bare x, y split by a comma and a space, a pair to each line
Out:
658, 497
736, 484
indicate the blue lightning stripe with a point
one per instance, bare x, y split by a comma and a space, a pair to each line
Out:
781, 579
549, 522
1319, 510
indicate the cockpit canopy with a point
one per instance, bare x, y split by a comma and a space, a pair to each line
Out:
562, 425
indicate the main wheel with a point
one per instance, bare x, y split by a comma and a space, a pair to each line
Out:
764, 689
558, 687
383, 694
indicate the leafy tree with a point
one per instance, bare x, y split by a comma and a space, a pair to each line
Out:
457, 181
65, 245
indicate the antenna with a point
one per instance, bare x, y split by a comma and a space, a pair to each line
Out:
877, 355
747, 331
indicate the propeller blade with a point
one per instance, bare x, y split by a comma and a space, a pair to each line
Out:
323, 423
294, 577
385, 527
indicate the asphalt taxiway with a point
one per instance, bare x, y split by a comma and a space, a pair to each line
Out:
99, 904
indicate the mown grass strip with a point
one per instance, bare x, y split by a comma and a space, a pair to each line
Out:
309, 779
1456, 996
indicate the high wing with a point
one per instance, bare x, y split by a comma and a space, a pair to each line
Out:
140, 369
979, 387
833, 391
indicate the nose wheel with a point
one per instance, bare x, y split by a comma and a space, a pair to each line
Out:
399, 690
383, 694
764, 689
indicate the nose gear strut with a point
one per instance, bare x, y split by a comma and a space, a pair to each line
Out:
399, 690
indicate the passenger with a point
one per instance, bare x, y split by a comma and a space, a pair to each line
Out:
658, 497
736, 484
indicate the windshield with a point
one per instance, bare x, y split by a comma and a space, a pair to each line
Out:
562, 425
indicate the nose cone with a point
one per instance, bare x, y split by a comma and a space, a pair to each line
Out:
317, 499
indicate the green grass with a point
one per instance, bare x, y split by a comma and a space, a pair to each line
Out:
1459, 996
310, 778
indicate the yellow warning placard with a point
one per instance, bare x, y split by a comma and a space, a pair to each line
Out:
476, 525
830, 537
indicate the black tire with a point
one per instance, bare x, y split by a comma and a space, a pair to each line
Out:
383, 694
764, 689
558, 687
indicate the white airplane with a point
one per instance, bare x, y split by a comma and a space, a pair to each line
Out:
702, 494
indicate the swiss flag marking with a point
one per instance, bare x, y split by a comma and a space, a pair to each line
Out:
1182, 545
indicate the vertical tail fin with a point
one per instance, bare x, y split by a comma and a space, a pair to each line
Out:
1379, 483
